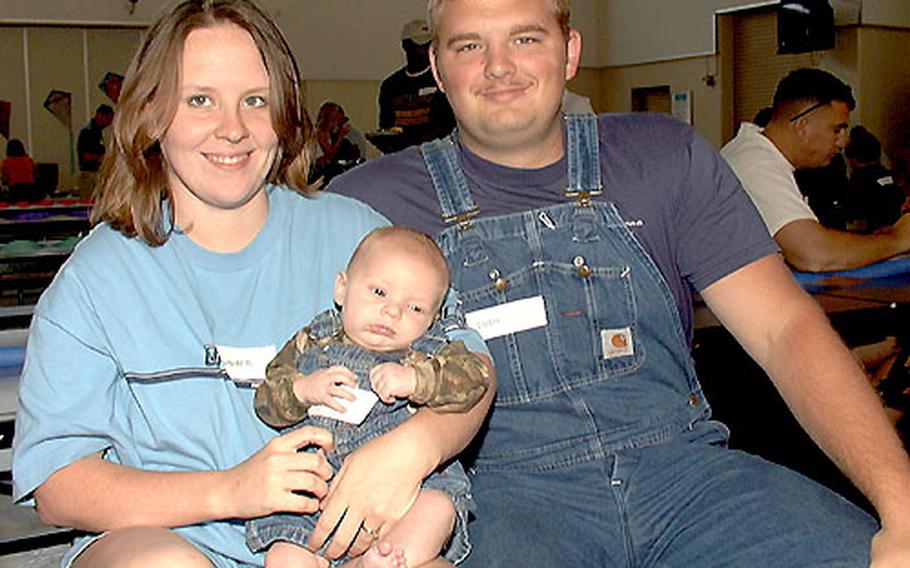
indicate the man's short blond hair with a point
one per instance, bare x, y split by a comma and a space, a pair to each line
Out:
562, 10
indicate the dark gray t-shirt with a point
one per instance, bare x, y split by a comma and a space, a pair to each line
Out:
678, 195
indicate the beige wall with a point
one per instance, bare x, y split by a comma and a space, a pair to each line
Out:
616, 84
886, 13
884, 86
587, 83
12, 84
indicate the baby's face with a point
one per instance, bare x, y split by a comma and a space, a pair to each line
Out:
389, 299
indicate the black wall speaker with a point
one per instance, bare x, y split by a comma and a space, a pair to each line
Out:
804, 25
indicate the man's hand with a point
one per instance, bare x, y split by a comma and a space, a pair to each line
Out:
374, 488
891, 548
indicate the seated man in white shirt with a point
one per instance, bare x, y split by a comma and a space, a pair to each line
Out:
808, 127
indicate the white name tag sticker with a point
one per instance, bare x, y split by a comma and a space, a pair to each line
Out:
246, 364
424, 91
617, 342
513, 317
355, 410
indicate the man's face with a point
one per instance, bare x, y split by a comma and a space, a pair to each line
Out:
503, 65
104, 119
823, 134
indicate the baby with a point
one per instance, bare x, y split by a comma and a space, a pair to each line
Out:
387, 338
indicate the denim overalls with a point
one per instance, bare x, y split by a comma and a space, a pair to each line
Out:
599, 451
382, 418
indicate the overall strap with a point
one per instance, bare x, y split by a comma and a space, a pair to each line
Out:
583, 157
449, 181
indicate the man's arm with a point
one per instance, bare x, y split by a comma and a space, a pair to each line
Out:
786, 332
811, 247
386, 108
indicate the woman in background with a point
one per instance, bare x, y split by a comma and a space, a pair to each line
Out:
18, 172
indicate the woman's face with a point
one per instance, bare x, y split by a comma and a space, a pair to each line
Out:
220, 146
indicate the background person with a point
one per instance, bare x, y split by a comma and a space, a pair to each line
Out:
18, 173
807, 129
341, 145
827, 191
204, 258
875, 197
90, 148
409, 99
600, 446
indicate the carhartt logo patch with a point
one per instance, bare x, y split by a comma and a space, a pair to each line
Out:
617, 342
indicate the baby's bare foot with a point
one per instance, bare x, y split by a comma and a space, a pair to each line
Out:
383, 555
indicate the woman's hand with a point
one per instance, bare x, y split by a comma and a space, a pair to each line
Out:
279, 477
373, 489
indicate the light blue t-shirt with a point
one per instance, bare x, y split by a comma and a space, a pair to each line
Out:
116, 358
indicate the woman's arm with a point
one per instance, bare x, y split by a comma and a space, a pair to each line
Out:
379, 481
96, 495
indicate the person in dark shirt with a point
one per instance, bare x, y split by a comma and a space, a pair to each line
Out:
827, 190
90, 148
409, 99
875, 198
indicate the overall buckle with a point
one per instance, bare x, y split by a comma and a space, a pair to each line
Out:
584, 195
463, 218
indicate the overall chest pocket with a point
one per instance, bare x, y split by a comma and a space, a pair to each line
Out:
586, 331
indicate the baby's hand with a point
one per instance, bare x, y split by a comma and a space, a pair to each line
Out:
391, 381
324, 386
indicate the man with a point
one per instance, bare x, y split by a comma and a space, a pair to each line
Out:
409, 99
90, 148
807, 129
575, 244
875, 198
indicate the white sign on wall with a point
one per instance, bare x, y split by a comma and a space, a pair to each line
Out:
681, 106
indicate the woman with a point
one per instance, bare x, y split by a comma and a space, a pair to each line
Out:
18, 172
136, 419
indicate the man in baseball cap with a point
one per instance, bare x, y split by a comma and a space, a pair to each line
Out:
417, 31
410, 103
